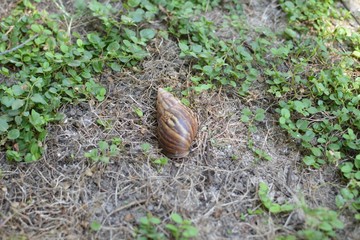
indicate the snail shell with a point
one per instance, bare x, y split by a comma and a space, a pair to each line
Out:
177, 125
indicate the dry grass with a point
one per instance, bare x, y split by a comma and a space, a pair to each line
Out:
60, 195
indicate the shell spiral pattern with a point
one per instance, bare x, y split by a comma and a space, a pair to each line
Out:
177, 125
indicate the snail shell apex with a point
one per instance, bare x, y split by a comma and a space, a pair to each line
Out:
177, 125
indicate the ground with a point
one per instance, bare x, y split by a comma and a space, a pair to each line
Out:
59, 196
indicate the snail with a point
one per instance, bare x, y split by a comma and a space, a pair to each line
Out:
177, 125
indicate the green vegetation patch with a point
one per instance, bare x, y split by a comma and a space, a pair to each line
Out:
48, 64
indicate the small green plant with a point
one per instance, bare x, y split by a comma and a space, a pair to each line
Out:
257, 211
148, 228
106, 124
320, 223
249, 118
95, 225
104, 152
160, 162
138, 112
145, 147
181, 229
269, 204
259, 153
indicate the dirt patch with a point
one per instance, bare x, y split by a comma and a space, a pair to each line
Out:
216, 186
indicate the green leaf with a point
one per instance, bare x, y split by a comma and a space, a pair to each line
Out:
79, 42
190, 232
183, 46
275, 208
138, 112
308, 136
13, 134
172, 228
37, 98
309, 160
259, 114
13, 155
133, 3
155, 220
185, 101
161, 161
103, 145
95, 225
325, 226
7, 101
98, 66
357, 161
316, 151
334, 146
36, 119
114, 150
285, 113
196, 48
291, 33
136, 16
346, 193
336, 223
64, 48
115, 67
347, 168
3, 125
17, 90
147, 33
287, 207
203, 87
245, 118
176, 218
302, 124
263, 188
356, 54
145, 147
357, 175
104, 159
18, 103
282, 120
113, 47
340, 201
36, 28
246, 112
74, 63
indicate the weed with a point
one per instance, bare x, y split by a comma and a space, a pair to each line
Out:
160, 162
320, 223
269, 204
182, 229
249, 118
145, 147
106, 124
138, 112
95, 225
104, 151
148, 228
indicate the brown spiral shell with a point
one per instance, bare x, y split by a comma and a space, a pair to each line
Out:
177, 125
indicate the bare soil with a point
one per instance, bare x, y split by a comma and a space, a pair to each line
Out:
215, 186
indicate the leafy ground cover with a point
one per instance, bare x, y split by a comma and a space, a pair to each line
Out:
276, 88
